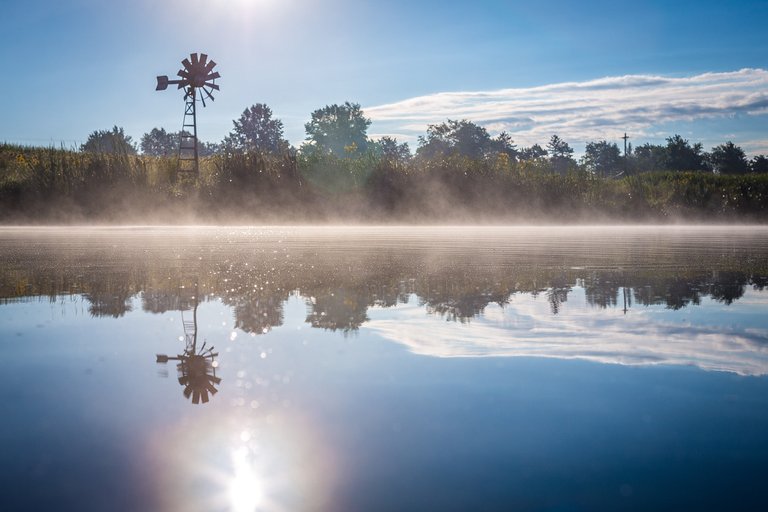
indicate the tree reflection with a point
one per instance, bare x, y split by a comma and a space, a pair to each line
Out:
727, 287
257, 314
196, 366
339, 309
339, 287
601, 289
557, 293
109, 304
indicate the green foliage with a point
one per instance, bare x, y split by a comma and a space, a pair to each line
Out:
463, 138
339, 130
560, 155
729, 159
459, 173
680, 155
158, 142
330, 174
532, 153
603, 158
759, 163
388, 149
648, 157
256, 130
113, 141
48, 184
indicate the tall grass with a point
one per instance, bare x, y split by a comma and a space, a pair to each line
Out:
51, 185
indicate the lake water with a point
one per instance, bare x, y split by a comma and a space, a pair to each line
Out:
384, 369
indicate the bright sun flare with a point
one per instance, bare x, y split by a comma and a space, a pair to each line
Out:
245, 493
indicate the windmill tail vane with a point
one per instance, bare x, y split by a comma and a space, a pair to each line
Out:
197, 73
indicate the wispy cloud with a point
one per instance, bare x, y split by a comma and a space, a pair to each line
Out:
589, 110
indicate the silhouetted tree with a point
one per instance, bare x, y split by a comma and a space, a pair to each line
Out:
729, 159
503, 144
648, 157
158, 142
758, 163
603, 158
207, 148
560, 154
532, 153
109, 141
338, 129
463, 138
681, 156
390, 150
256, 130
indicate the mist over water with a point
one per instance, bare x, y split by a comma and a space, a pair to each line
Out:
367, 367
598, 293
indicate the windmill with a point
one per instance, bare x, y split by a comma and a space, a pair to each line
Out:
196, 367
197, 74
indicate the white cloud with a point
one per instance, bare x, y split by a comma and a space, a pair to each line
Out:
589, 110
755, 147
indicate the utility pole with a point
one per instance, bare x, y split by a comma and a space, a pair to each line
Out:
626, 161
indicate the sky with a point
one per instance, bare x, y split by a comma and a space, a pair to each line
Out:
587, 71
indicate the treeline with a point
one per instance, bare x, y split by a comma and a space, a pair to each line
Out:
458, 172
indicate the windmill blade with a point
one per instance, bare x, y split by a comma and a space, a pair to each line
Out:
202, 99
203, 59
186, 64
183, 73
209, 67
213, 76
193, 56
212, 86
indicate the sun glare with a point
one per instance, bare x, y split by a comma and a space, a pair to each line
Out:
244, 490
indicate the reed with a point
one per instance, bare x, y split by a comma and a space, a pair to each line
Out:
46, 184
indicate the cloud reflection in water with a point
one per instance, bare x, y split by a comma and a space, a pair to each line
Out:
526, 328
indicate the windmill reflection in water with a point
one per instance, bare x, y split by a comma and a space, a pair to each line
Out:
196, 367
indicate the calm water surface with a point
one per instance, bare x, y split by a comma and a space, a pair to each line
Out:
384, 369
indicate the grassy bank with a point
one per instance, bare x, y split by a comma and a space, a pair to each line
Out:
49, 185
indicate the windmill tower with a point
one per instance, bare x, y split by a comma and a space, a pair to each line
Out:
197, 74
